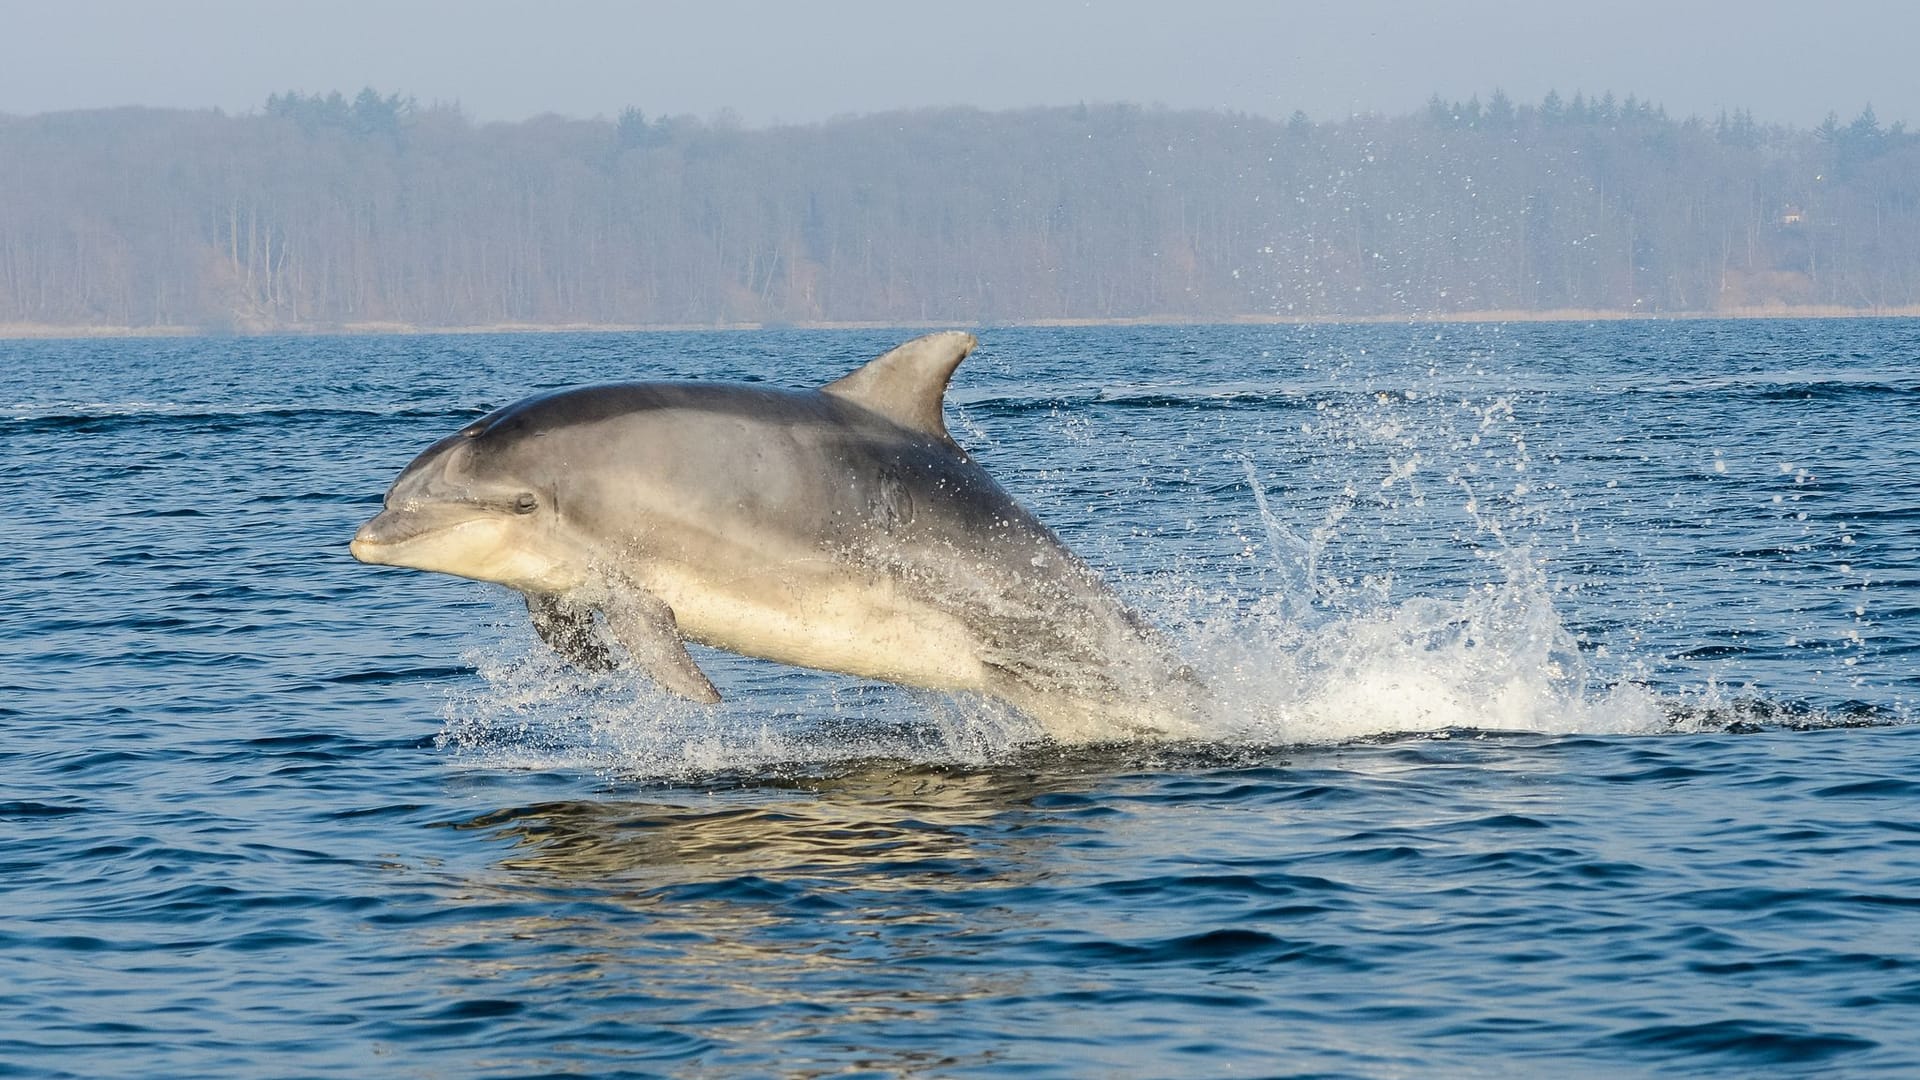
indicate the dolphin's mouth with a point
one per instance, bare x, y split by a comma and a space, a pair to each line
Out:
393, 527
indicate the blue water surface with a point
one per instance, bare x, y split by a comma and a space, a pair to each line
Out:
1569, 675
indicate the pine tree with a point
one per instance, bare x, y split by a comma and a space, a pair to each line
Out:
1499, 109
1552, 110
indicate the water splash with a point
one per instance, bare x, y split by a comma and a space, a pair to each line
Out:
533, 712
1329, 649
1499, 658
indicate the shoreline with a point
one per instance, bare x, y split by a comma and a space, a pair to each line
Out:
54, 332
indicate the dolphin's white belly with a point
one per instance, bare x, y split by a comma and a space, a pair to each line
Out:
819, 614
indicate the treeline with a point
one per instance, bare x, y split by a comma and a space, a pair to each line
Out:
325, 211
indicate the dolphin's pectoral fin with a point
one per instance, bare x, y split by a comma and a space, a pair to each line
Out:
644, 624
567, 628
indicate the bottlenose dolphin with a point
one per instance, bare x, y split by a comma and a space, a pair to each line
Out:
840, 528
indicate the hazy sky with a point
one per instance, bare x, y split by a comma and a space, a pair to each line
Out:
794, 61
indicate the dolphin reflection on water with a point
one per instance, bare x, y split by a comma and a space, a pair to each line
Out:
840, 528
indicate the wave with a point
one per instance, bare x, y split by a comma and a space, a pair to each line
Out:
1199, 397
1783, 386
1294, 394
103, 417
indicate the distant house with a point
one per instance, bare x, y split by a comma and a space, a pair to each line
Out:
1791, 215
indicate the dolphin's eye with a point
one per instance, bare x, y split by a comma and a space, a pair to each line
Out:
525, 503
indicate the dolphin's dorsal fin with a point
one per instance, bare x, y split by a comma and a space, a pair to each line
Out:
908, 384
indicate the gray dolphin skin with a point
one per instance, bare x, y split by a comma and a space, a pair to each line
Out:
841, 529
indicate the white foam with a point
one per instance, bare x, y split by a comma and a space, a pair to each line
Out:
1498, 658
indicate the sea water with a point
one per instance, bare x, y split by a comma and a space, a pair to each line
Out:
1565, 682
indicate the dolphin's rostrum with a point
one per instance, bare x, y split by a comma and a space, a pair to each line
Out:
839, 528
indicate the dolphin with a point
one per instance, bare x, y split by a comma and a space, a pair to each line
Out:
839, 528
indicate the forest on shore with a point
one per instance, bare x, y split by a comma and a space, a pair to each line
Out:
325, 212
